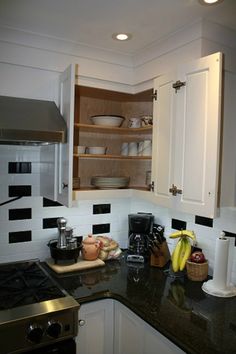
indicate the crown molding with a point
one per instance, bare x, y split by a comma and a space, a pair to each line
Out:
114, 70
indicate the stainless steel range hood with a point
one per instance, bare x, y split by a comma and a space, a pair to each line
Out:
30, 122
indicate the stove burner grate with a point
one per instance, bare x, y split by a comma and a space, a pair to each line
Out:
25, 283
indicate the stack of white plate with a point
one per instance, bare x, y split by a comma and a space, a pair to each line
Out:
109, 182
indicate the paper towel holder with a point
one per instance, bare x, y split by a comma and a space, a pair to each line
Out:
211, 287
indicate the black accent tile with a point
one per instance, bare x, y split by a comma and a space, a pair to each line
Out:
101, 228
50, 203
20, 236
101, 208
17, 191
202, 220
178, 224
50, 223
20, 214
231, 234
19, 167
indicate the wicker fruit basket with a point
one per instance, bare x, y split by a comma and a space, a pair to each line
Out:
197, 271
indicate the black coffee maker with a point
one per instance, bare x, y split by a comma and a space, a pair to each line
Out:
140, 229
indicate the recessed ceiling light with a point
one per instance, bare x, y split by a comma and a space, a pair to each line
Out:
121, 36
210, 2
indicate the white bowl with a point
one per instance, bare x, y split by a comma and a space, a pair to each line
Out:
79, 149
111, 121
96, 150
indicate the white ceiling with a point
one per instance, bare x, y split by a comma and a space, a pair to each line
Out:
92, 22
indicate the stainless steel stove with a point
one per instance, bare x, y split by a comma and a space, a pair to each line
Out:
36, 314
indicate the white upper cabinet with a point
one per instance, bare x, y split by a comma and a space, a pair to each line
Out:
65, 151
186, 136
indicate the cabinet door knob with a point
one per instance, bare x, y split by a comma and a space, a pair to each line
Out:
64, 185
81, 323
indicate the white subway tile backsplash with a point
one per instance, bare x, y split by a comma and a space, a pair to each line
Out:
51, 212
44, 235
81, 216
21, 225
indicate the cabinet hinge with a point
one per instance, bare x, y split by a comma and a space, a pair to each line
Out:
177, 85
174, 190
154, 95
152, 186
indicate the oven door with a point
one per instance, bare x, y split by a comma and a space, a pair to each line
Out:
63, 347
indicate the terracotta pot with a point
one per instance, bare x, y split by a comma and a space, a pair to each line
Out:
91, 248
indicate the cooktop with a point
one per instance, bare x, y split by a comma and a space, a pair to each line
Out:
24, 283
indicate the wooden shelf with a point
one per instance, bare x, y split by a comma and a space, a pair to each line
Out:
90, 188
113, 130
111, 157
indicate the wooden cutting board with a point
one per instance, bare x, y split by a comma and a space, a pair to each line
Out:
80, 265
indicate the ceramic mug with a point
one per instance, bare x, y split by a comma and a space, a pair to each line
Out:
125, 149
147, 148
140, 148
134, 122
133, 148
146, 121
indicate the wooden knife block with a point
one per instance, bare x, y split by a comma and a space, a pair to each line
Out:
160, 256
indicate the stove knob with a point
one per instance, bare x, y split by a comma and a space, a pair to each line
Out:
35, 333
54, 329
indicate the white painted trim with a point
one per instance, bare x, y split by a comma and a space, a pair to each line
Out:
107, 69
62, 46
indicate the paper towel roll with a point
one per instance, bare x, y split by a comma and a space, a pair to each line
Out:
221, 263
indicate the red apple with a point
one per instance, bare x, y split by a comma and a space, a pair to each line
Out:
197, 257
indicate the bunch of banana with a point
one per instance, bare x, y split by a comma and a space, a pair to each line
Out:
182, 250
181, 254
183, 233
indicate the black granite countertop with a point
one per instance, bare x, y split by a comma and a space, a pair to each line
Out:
177, 307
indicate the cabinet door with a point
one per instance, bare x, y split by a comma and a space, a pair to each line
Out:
133, 335
48, 171
190, 160
96, 335
129, 335
155, 342
65, 151
163, 135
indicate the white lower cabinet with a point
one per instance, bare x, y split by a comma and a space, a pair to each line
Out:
135, 336
111, 328
129, 335
96, 328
